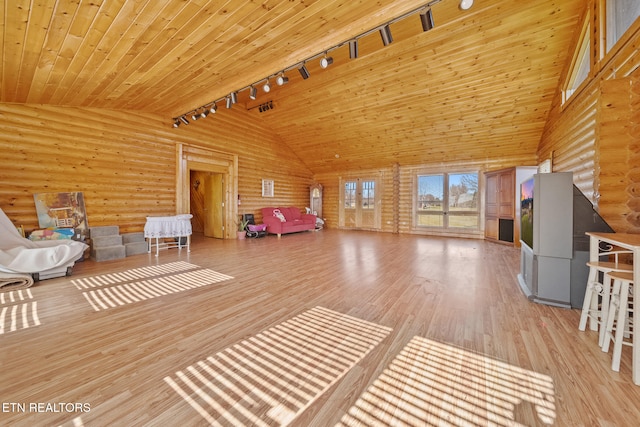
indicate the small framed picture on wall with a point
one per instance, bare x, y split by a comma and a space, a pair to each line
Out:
267, 188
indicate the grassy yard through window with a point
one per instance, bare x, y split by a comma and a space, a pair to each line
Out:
455, 221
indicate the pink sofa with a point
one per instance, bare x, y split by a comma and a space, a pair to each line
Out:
294, 221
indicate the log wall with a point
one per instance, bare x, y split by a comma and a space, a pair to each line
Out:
633, 174
613, 145
397, 186
594, 136
124, 162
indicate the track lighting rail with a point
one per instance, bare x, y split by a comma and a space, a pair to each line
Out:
280, 78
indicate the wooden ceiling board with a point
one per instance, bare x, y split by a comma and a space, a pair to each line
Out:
200, 38
119, 27
240, 49
273, 51
14, 36
129, 53
478, 86
52, 75
134, 46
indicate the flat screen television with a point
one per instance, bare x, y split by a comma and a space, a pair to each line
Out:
526, 212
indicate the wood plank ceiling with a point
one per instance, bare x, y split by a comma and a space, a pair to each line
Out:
478, 86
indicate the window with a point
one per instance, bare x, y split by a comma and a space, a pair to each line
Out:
581, 64
617, 17
448, 201
621, 14
368, 195
350, 195
430, 197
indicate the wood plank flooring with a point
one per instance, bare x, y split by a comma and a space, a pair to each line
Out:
314, 329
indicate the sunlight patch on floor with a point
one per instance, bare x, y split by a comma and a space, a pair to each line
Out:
118, 289
16, 312
133, 274
431, 383
269, 379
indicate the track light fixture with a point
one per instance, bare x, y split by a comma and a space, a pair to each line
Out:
353, 49
282, 79
326, 61
426, 18
304, 72
466, 4
385, 33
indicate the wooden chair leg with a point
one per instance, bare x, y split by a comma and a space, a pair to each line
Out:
614, 308
621, 323
590, 301
604, 307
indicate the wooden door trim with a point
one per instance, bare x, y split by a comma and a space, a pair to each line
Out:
191, 157
375, 177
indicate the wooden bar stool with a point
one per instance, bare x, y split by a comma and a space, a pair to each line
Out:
618, 326
596, 298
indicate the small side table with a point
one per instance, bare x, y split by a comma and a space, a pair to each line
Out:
161, 227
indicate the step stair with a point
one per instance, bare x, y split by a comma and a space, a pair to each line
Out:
106, 230
106, 243
135, 243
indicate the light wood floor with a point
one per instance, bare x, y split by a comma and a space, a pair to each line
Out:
316, 329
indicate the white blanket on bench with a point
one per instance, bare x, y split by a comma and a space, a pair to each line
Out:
20, 255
